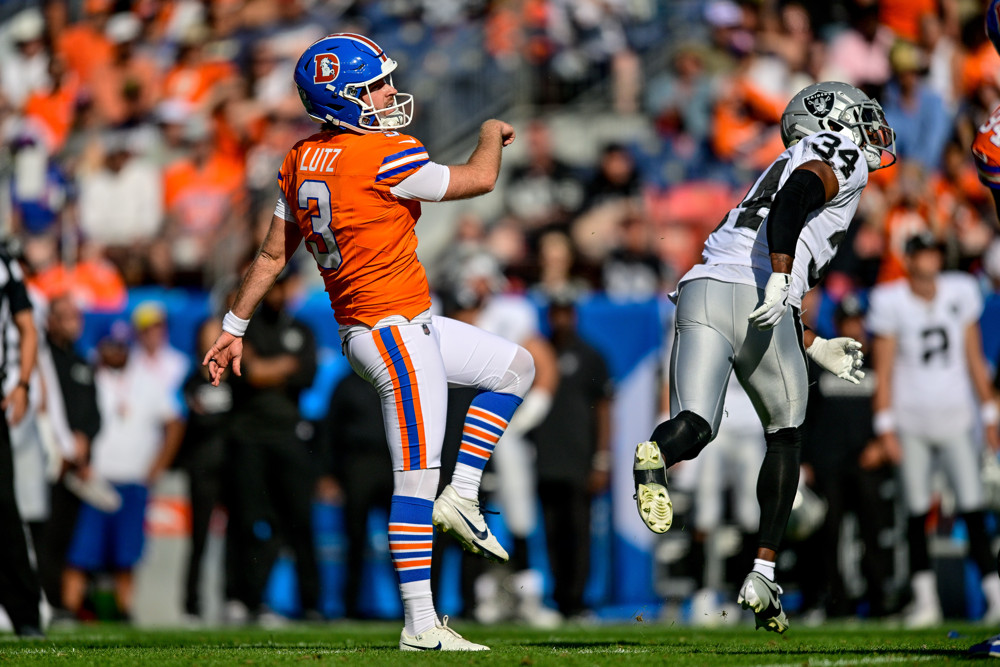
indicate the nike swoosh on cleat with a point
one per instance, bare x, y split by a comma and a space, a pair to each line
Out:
423, 648
480, 534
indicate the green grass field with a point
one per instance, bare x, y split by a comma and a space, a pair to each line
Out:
636, 643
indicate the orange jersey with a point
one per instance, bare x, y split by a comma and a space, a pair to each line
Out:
986, 150
337, 188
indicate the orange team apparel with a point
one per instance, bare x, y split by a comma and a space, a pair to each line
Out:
986, 150
337, 186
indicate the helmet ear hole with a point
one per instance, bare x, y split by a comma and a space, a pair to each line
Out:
834, 126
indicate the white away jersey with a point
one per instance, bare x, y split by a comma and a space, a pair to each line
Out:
931, 387
737, 251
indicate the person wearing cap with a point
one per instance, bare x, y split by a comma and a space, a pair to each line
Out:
933, 393
140, 432
26, 68
849, 469
152, 349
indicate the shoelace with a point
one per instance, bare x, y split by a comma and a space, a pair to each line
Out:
444, 626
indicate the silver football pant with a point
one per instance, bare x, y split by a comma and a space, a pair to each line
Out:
957, 456
713, 338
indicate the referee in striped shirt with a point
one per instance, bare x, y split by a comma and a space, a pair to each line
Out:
19, 590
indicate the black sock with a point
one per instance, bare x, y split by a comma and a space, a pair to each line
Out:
777, 483
979, 542
916, 533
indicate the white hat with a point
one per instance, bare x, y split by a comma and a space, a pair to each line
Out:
723, 14
123, 27
26, 26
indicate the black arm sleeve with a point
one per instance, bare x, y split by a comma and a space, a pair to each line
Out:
801, 194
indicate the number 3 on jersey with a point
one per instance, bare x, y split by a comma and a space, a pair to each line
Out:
321, 243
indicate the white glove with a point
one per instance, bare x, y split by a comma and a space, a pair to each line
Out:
775, 302
841, 356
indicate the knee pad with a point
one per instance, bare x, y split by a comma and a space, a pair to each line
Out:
519, 376
683, 437
785, 438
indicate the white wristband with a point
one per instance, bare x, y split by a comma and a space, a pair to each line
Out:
234, 324
989, 413
884, 422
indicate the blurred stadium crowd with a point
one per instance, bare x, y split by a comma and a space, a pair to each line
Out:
140, 144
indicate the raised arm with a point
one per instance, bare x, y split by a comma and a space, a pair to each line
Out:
808, 189
283, 237
479, 174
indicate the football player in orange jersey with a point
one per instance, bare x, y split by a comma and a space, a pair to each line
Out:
352, 191
986, 150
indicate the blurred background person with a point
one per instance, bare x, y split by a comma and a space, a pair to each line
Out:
849, 470
141, 431
933, 389
573, 454
70, 381
202, 456
270, 464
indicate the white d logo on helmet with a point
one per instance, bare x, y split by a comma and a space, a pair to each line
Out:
327, 68
819, 104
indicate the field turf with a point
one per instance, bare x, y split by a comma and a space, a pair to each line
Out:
635, 643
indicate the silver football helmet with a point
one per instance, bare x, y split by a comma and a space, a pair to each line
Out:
832, 106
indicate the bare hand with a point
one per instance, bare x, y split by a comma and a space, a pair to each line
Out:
992, 437
17, 402
507, 134
597, 481
891, 448
872, 456
328, 490
227, 348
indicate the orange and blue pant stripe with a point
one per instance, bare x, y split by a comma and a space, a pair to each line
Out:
407, 394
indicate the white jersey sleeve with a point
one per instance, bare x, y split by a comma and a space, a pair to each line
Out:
881, 319
737, 251
429, 183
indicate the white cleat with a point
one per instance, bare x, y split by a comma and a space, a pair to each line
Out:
761, 595
651, 497
918, 616
438, 638
461, 517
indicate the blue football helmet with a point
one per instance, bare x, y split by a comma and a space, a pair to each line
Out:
993, 23
335, 72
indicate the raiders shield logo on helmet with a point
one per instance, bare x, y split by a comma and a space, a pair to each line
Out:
819, 104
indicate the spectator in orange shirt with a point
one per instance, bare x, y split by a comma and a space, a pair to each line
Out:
84, 46
125, 88
203, 207
903, 16
195, 77
912, 212
51, 111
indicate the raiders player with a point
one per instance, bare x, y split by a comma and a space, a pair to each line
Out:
928, 356
731, 314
